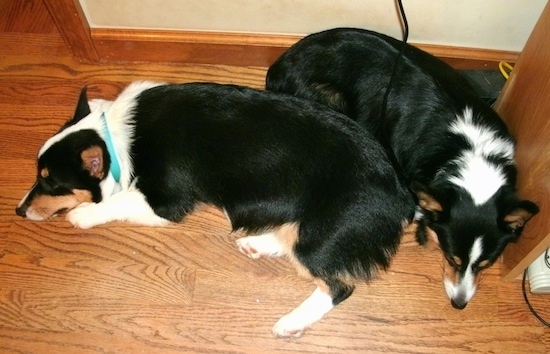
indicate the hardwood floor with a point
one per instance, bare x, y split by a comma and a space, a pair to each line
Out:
125, 289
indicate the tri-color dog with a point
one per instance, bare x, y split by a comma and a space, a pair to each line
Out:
302, 180
450, 145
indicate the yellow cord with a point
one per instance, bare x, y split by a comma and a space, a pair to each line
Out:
505, 69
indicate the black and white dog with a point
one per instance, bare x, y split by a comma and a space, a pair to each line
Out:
302, 180
452, 148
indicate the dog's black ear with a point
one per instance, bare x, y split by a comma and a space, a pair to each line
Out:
82, 107
521, 213
92, 160
427, 199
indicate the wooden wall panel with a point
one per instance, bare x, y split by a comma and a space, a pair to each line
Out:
525, 106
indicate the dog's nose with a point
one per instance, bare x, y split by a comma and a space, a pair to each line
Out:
21, 211
458, 305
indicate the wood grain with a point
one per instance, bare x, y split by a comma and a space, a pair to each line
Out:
121, 288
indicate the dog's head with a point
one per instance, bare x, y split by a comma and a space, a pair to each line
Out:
70, 166
471, 236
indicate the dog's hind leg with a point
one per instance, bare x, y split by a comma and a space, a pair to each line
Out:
260, 246
328, 294
276, 243
331, 289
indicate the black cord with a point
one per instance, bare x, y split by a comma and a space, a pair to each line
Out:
533, 311
399, 55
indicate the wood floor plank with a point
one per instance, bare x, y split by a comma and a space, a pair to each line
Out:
158, 328
107, 79
96, 281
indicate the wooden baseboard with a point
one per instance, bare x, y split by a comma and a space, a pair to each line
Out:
189, 47
241, 49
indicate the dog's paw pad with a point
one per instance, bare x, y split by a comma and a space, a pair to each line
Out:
255, 247
287, 328
247, 249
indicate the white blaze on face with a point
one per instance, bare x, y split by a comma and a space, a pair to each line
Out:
464, 289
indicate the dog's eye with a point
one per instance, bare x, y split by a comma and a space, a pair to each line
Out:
483, 264
457, 260
49, 182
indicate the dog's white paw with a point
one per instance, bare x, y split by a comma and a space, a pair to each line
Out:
261, 246
289, 326
86, 215
304, 316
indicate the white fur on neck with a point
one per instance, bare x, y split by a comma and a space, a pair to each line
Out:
119, 115
476, 175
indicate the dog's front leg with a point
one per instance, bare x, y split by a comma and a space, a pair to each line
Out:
310, 311
129, 205
329, 293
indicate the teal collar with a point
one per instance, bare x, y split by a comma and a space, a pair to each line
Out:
115, 166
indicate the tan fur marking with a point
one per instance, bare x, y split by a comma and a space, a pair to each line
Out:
428, 202
449, 272
287, 235
82, 195
46, 206
483, 263
433, 237
44, 173
322, 285
457, 260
